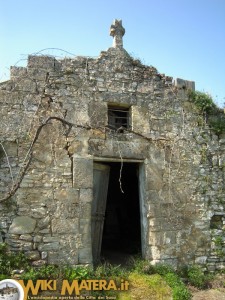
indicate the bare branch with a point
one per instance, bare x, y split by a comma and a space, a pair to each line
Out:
16, 184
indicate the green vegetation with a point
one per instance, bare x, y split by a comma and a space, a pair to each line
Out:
44, 272
143, 286
108, 271
77, 273
198, 278
215, 116
10, 261
203, 101
145, 280
219, 243
217, 124
173, 280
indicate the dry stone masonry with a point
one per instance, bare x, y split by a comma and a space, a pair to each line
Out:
55, 128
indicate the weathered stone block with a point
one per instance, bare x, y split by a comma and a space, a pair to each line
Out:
39, 263
64, 226
49, 246
50, 239
67, 194
38, 212
114, 148
169, 238
155, 179
85, 210
82, 173
44, 255
26, 237
67, 203
33, 255
20, 245
156, 254
86, 195
140, 119
63, 258
78, 146
201, 260
44, 222
44, 62
184, 84
85, 226
22, 225
17, 72
85, 256
98, 114
37, 239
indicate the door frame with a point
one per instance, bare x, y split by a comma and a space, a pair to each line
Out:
142, 196
100, 191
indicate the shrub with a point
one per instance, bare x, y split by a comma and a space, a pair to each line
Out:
203, 101
197, 278
215, 115
78, 273
180, 291
48, 272
217, 123
44, 272
10, 261
163, 269
3, 276
31, 274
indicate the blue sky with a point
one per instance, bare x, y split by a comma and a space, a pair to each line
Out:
181, 38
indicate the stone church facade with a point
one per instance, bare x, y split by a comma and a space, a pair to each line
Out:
102, 155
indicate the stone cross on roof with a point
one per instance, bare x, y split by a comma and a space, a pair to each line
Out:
117, 32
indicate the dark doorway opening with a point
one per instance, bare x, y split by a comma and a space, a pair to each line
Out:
122, 234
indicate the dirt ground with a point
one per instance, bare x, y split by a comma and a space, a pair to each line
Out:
209, 295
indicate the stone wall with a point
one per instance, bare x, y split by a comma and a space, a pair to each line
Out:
54, 126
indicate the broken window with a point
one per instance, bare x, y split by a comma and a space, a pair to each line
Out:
118, 118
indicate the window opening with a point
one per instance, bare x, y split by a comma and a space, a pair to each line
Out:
118, 117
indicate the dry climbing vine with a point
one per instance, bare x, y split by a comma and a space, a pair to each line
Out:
173, 142
69, 126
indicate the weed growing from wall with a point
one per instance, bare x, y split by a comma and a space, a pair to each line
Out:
219, 245
214, 116
203, 101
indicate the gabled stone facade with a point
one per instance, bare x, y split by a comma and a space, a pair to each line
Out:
54, 128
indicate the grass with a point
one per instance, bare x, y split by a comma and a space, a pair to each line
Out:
145, 280
178, 289
143, 286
